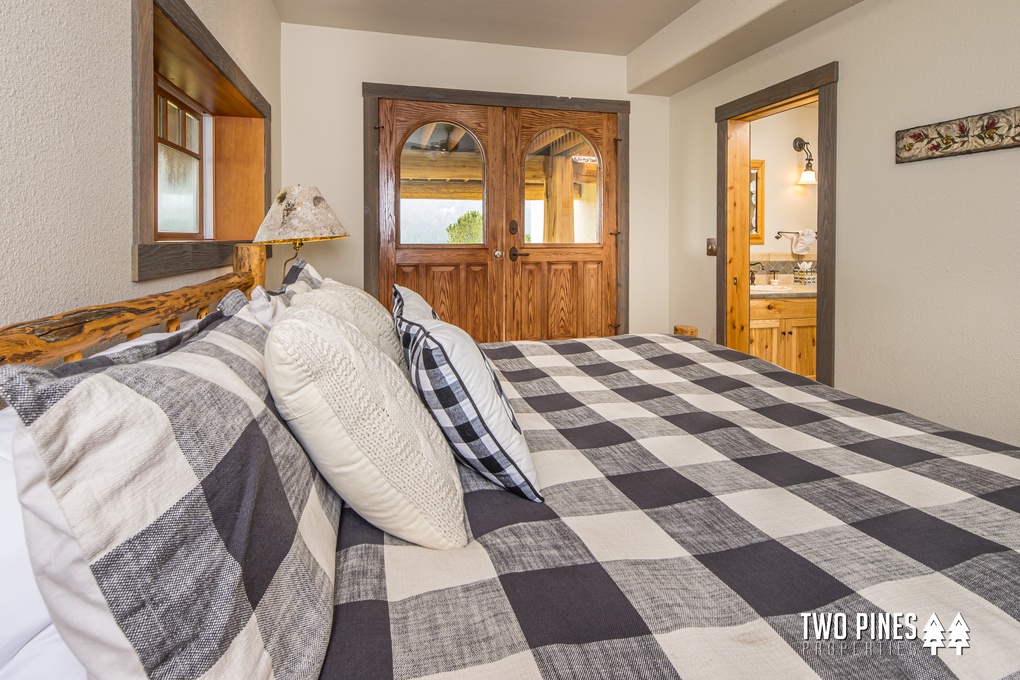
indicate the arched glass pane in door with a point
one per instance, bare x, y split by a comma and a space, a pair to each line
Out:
562, 180
441, 187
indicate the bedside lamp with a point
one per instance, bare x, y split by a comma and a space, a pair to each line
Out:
298, 215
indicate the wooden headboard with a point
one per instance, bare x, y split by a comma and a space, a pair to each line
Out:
65, 336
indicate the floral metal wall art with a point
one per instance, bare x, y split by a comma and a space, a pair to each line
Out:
985, 132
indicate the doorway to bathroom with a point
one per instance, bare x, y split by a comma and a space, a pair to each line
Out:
776, 223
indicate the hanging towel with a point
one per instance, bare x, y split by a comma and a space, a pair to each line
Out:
803, 241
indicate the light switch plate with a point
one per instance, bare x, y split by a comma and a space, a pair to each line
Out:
712, 248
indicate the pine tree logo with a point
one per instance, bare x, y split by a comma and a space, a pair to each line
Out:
959, 634
934, 637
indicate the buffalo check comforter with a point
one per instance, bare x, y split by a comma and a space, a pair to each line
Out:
707, 514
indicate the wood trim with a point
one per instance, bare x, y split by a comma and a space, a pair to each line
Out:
482, 98
737, 253
780, 92
179, 61
238, 165
823, 79
371, 182
158, 260
267, 154
185, 19
826, 169
722, 243
792, 103
143, 111
67, 335
623, 222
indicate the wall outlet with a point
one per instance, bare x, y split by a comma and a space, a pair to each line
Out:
712, 247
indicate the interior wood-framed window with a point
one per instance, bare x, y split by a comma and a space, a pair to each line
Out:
181, 160
197, 113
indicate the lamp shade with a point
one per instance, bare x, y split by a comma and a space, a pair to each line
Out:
299, 214
807, 177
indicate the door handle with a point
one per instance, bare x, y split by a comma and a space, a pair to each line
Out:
514, 254
497, 254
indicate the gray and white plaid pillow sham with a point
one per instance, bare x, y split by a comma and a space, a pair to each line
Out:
185, 532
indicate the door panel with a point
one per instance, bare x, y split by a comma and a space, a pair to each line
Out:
429, 168
592, 285
562, 167
801, 340
529, 303
562, 300
764, 340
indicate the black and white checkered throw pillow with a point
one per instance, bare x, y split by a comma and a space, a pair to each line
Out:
460, 389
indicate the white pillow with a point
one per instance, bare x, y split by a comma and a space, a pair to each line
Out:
29, 645
464, 396
147, 338
362, 425
410, 305
360, 309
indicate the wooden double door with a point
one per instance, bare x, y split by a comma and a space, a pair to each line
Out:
503, 219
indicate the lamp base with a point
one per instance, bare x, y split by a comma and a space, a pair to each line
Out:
297, 246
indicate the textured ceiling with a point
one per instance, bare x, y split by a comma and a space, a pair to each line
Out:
603, 26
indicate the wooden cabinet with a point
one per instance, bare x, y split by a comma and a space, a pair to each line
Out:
784, 331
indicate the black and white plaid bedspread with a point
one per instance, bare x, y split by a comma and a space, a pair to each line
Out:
707, 515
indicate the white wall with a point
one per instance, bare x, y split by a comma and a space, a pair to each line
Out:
927, 253
788, 206
65, 141
322, 73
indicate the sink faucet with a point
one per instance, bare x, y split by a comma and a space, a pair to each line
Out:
753, 265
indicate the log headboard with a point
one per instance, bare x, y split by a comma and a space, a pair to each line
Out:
65, 336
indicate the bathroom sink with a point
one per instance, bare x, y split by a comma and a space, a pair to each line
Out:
770, 289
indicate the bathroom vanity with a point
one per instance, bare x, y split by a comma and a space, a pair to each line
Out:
783, 326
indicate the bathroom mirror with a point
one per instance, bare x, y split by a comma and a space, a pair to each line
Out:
757, 205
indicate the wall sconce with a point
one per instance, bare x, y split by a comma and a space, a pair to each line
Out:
808, 176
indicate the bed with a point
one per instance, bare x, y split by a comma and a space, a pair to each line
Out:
706, 514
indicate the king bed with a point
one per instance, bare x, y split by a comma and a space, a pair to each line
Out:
705, 514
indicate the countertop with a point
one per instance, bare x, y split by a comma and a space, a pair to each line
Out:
795, 290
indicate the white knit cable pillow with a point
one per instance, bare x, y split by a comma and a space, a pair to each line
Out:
360, 309
361, 423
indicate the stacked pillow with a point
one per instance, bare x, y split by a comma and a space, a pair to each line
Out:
356, 416
174, 524
29, 644
339, 377
360, 309
460, 389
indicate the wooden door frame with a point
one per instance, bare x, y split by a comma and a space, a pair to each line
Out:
774, 99
373, 92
